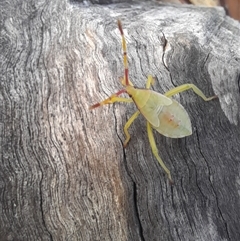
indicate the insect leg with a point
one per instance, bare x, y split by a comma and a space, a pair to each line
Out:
110, 100
123, 81
184, 87
127, 125
150, 81
155, 150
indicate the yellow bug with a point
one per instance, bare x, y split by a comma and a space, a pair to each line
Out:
162, 113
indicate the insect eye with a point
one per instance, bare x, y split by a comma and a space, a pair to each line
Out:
130, 96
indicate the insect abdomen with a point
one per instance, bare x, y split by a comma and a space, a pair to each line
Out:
174, 121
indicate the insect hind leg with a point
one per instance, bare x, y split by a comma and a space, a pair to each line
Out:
155, 151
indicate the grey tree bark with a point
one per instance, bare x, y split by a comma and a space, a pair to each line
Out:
64, 174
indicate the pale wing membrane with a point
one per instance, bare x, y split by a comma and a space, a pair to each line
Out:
154, 106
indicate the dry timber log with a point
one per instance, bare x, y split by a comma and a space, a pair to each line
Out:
64, 174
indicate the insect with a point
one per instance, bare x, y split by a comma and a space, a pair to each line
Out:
162, 113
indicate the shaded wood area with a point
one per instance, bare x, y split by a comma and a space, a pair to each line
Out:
64, 174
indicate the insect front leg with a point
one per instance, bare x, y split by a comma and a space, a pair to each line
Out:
184, 87
127, 125
110, 100
155, 151
123, 81
150, 81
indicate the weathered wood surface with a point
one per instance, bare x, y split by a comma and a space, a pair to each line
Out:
64, 174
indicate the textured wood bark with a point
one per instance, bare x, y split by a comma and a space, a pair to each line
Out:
64, 174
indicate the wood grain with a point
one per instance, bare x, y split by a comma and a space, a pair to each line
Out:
64, 174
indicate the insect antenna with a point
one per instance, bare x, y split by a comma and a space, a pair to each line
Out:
125, 60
